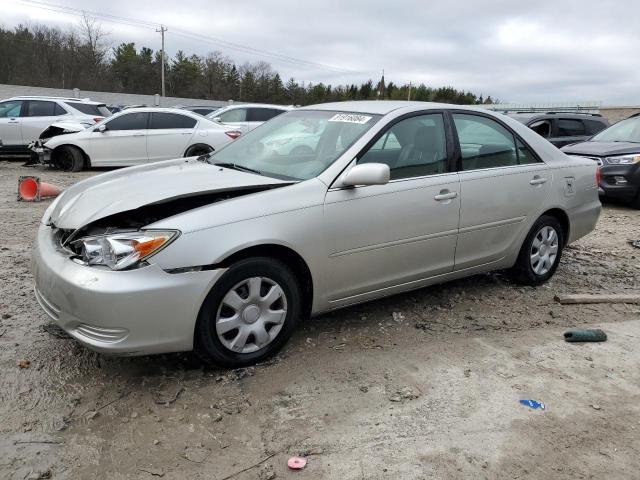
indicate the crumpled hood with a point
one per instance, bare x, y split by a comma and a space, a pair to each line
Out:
134, 187
602, 149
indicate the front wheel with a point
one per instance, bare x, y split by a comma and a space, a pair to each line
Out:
69, 159
249, 314
540, 253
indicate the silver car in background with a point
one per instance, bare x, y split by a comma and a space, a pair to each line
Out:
227, 253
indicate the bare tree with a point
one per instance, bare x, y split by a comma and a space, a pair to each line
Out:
95, 47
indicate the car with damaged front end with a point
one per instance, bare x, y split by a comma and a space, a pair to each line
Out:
224, 254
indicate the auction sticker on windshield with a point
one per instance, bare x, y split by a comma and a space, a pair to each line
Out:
349, 118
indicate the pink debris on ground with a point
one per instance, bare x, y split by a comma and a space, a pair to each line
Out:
297, 463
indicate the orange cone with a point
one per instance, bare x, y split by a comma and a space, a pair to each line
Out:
31, 189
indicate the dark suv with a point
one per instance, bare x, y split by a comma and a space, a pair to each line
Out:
563, 128
617, 151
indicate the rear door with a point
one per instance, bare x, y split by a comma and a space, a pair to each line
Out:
169, 135
257, 116
38, 115
502, 185
382, 237
568, 130
10, 123
123, 143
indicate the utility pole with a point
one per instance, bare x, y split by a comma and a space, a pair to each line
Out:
161, 31
409, 96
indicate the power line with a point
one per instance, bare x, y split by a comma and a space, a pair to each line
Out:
203, 38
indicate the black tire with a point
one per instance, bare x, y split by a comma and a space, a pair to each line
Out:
69, 159
635, 203
523, 272
208, 346
197, 150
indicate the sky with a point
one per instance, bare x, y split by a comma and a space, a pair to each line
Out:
515, 51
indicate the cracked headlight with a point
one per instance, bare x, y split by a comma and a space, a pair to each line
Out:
121, 250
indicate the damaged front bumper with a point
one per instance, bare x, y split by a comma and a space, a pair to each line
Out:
130, 312
40, 153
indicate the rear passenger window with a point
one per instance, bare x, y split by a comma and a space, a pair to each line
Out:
262, 114
570, 128
236, 115
413, 147
39, 108
170, 120
484, 142
525, 155
59, 111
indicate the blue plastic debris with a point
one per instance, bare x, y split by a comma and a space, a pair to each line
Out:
533, 404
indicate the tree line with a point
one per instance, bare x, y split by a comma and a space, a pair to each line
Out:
38, 55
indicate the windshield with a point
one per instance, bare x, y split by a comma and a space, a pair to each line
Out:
297, 145
624, 131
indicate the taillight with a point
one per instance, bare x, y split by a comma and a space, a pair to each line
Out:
98, 119
233, 134
598, 177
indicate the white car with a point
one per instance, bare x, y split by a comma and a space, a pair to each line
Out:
246, 117
135, 136
22, 119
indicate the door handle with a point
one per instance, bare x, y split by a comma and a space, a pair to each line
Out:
537, 180
445, 195
139, 134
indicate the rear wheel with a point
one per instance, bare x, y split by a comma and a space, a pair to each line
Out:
197, 150
249, 314
540, 253
69, 159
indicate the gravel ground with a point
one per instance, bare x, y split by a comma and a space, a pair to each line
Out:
421, 385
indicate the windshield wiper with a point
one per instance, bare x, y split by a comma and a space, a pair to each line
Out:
235, 166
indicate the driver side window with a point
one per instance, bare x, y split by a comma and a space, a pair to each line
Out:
129, 121
413, 147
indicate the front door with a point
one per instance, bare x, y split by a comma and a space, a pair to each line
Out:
502, 185
10, 123
395, 235
123, 143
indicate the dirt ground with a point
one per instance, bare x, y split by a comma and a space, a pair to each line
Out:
421, 385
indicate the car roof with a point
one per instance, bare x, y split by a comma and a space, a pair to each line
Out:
181, 111
258, 105
383, 107
62, 99
527, 116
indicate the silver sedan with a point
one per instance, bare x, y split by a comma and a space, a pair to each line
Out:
226, 253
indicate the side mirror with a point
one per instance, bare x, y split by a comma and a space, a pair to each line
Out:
367, 174
102, 128
217, 119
